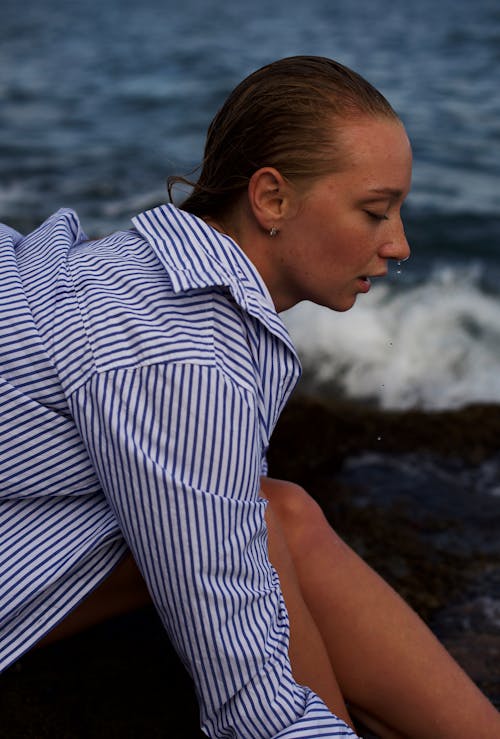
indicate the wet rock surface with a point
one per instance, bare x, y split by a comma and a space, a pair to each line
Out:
415, 493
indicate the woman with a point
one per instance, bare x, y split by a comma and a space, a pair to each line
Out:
159, 367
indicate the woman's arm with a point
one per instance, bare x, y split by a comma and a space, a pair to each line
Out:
177, 449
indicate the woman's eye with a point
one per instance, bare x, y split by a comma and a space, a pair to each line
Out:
377, 216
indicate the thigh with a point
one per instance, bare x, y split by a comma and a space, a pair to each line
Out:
308, 654
123, 591
386, 660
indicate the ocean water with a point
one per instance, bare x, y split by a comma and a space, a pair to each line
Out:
101, 101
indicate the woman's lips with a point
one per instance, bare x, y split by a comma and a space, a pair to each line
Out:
365, 284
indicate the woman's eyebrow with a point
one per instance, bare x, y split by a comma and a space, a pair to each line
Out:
387, 192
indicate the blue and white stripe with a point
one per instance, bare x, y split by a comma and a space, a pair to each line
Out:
141, 377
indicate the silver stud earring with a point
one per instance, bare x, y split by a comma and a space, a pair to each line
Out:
273, 232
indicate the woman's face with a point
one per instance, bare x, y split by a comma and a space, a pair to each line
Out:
344, 228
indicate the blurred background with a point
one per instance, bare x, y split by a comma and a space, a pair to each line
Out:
101, 101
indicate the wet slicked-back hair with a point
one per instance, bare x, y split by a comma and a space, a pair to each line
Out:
285, 115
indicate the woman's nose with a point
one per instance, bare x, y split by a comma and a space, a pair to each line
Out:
397, 247
403, 247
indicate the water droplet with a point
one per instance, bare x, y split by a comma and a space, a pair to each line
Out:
399, 270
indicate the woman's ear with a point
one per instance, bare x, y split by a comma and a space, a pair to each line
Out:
269, 196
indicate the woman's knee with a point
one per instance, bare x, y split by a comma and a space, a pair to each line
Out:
301, 518
291, 503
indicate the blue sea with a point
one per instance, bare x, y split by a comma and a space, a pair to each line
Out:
101, 101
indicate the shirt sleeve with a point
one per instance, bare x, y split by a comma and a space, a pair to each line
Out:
178, 452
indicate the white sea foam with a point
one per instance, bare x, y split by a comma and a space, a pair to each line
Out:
435, 345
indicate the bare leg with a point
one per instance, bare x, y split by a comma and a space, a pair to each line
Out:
308, 655
123, 591
389, 666
386, 660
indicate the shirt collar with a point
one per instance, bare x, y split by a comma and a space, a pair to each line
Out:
197, 256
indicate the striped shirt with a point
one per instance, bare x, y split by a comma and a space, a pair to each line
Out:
141, 376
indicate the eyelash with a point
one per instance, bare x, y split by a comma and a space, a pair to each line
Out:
376, 216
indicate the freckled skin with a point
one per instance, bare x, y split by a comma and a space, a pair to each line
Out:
347, 224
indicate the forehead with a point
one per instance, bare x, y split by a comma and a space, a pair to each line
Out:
377, 150
374, 138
